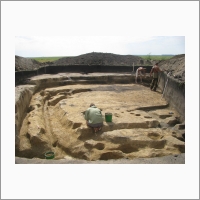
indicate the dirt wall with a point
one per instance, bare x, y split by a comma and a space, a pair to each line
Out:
174, 93
21, 76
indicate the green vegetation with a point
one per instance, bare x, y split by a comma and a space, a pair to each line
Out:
46, 59
146, 57
156, 57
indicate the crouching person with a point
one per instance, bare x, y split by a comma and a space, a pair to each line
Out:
94, 118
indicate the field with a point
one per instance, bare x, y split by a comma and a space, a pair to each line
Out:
147, 57
46, 59
156, 57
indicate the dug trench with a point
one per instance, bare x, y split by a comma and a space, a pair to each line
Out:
143, 125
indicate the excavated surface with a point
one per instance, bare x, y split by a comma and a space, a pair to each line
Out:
142, 125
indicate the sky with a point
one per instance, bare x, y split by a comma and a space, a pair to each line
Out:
46, 46
70, 28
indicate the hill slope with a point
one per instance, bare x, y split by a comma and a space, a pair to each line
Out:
84, 59
23, 64
103, 59
176, 65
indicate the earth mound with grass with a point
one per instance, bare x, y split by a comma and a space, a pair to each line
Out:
22, 64
103, 59
175, 65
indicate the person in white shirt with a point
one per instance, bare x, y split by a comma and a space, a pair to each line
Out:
140, 72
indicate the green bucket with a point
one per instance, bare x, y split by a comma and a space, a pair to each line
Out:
108, 117
49, 155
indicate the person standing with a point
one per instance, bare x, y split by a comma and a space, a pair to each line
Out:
155, 71
94, 118
140, 72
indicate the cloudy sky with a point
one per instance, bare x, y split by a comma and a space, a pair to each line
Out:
40, 46
71, 28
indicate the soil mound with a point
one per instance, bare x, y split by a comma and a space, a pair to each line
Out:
175, 65
103, 59
23, 64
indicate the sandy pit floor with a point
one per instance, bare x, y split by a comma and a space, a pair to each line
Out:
143, 126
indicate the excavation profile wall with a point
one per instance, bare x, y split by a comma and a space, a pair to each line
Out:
23, 75
174, 93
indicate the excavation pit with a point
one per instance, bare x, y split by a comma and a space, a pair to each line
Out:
53, 120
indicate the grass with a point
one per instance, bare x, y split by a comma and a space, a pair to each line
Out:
156, 57
46, 59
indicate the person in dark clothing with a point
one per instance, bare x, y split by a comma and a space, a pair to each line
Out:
155, 71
